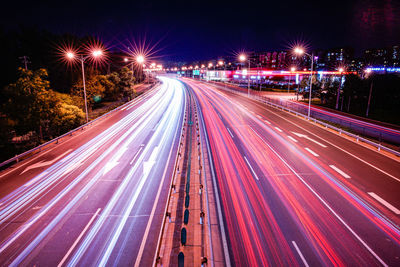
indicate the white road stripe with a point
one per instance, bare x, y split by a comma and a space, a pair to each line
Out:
345, 151
300, 254
78, 239
345, 175
312, 152
267, 122
278, 129
324, 202
251, 168
229, 131
385, 203
258, 116
137, 153
291, 138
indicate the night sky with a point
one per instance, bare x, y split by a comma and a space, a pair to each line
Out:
201, 30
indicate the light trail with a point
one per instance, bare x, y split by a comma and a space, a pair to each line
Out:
299, 197
143, 135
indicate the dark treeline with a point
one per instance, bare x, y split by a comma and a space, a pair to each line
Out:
381, 91
43, 98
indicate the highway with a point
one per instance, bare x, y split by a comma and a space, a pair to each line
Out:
98, 197
365, 127
295, 194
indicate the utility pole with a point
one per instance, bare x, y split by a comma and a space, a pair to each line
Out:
369, 98
25, 60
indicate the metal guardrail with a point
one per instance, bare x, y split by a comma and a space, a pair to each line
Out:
265, 100
55, 140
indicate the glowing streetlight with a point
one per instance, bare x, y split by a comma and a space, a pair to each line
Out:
95, 53
220, 63
210, 65
70, 55
243, 58
140, 59
300, 51
339, 88
126, 59
292, 69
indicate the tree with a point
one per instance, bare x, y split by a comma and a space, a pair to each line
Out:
30, 103
68, 117
95, 88
113, 91
126, 82
31, 106
355, 91
316, 86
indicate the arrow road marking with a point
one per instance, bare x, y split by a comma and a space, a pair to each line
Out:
306, 137
147, 165
43, 163
115, 160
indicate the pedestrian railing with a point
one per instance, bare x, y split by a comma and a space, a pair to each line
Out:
39, 148
272, 103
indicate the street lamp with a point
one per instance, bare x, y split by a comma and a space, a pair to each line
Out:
140, 60
243, 58
300, 51
292, 69
339, 88
95, 53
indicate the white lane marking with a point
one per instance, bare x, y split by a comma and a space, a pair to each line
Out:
312, 152
300, 254
78, 239
137, 153
345, 175
385, 203
308, 138
341, 149
251, 168
267, 122
291, 138
258, 116
219, 115
279, 130
324, 203
229, 132
45, 163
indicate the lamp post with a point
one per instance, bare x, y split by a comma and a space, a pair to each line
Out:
339, 88
300, 51
220, 63
140, 60
96, 53
292, 69
243, 58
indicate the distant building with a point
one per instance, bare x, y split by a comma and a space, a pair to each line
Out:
385, 57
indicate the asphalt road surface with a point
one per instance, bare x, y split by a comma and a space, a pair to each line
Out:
295, 194
98, 197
